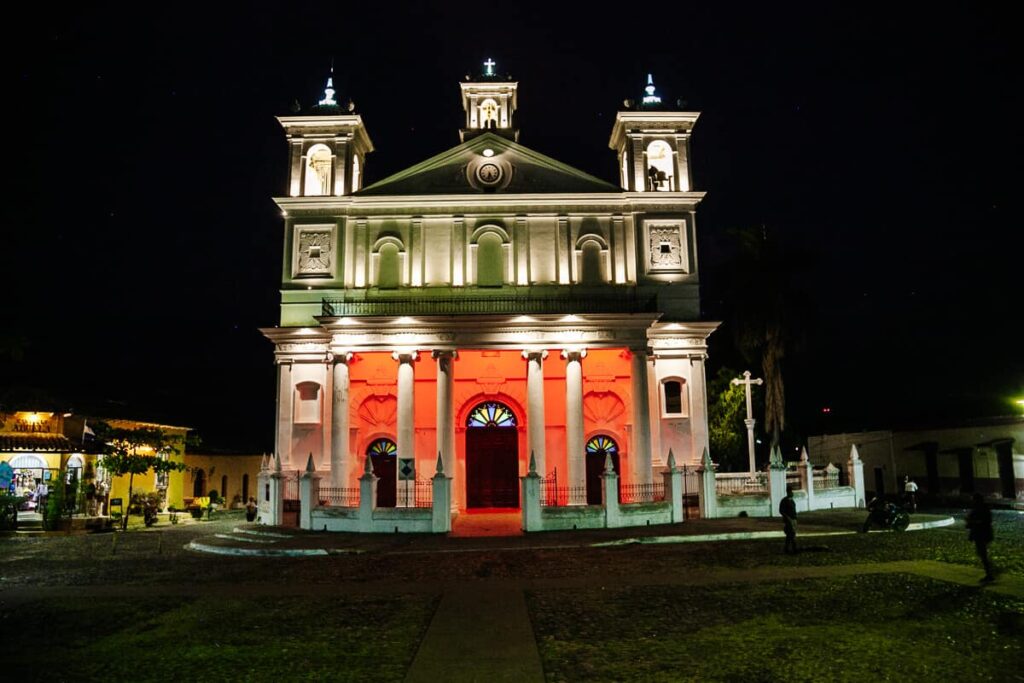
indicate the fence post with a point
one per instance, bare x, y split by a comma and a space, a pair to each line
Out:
708, 492
441, 520
776, 480
855, 469
531, 498
273, 495
807, 477
367, 496
610, 494
673, 477
309, 494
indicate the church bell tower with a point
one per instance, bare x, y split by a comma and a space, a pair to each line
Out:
327, 148
490, 102
652, 144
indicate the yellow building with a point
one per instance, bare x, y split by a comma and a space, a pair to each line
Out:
232, 475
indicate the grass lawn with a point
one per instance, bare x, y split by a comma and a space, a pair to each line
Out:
257, 639
863, 628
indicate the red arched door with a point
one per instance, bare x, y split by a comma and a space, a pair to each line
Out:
492, 457
383, 455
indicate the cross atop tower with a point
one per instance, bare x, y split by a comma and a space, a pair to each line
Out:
489, 66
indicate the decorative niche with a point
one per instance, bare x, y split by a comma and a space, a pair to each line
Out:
308, 397
666, 247
313, 252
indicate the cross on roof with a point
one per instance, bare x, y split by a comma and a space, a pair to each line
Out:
490, 66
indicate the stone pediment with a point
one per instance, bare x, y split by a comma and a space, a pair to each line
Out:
510, 168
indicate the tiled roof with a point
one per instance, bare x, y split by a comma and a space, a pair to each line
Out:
49, 443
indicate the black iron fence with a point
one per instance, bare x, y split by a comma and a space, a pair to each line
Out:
339, 497
419, 493
642, 493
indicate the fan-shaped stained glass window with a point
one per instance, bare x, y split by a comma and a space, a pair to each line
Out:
382, 447
601, 445
491, 415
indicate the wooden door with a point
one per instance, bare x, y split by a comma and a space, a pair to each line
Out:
492, 467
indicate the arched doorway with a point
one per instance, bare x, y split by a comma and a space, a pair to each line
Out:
199, 484
598, 449
492, 457
383, 454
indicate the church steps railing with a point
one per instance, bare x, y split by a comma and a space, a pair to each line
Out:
626, 301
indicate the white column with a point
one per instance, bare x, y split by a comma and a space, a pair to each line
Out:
285, 391
445, 410
574, 425
406, 410
340, 457
535, 427
641, 418
698, 405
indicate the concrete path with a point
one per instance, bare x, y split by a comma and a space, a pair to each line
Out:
480, 633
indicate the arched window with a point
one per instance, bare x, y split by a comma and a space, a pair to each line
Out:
602, 445
491, 414
355, 173
388, 267
318, 171
245, 488
659, 167
490, 261
199, 484
224, 486
591, 263
383, 448
625, 171
488, 114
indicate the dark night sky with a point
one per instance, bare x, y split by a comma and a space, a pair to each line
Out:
142, 249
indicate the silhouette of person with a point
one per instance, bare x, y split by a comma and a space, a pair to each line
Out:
979, 530
787, 508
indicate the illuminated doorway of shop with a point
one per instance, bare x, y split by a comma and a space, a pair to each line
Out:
492, 457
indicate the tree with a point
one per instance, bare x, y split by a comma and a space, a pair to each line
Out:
137, 451
767, 316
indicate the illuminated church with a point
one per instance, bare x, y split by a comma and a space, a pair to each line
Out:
489, 306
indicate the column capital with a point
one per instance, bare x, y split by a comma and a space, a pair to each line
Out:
533, 354
571, 355
446, 354
405, 356
335, 357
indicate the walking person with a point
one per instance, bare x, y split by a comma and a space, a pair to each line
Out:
910, 493
250, 510
787, 509
979, 530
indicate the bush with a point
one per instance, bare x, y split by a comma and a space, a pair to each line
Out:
196, 512
214, 496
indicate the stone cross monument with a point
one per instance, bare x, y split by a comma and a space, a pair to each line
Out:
747, 382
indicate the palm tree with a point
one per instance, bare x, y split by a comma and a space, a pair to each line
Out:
767, 315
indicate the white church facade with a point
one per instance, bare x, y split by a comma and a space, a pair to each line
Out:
488, 313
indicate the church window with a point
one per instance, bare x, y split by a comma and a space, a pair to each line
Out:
601, 446
659, 167
355, 173
625, 172
318, 171
307, 403
489, 261
491, 414
673, 397
591, 263
388, 267
488, 114
382, 448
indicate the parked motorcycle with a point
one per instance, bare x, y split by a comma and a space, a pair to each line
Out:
886, 515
